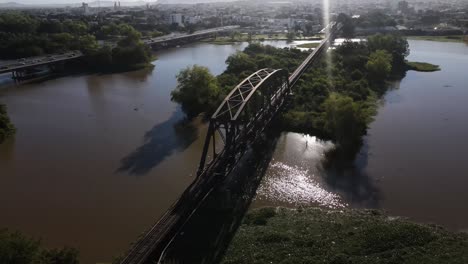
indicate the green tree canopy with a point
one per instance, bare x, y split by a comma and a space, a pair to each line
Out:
6, 127
240, 62
197, 90
379, 65
15, 248
344, 119
347, 23
15, 22
395, 45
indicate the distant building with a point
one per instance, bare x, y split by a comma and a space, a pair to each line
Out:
85, 8
176, 19
403, 7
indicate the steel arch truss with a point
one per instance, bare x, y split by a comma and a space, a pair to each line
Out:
241, 117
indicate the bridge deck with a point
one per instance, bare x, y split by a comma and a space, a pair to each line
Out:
15, 65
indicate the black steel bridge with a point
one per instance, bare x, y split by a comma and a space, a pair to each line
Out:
238, 122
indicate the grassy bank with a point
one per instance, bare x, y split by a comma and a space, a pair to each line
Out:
453, 38
281, 235
422, 66
308, 45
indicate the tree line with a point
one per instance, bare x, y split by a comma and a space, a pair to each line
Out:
24, 36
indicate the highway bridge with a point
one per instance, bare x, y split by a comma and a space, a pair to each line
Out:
166, 40
19, 67
238, 122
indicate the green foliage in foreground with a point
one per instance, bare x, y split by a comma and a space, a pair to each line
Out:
280, 235
423, 67
6, 127
16, 248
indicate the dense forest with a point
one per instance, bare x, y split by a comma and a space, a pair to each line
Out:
335, 101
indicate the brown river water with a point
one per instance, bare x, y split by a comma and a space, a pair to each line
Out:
98, 158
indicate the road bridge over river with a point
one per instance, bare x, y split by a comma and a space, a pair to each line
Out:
19, 67
237, 124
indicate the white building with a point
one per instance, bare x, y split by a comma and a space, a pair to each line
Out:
176, 19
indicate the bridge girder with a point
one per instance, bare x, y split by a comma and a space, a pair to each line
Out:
243, 115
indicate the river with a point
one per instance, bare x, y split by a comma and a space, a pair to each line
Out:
98, 158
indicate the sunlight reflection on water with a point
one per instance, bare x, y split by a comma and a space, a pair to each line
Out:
293, 185
294, 178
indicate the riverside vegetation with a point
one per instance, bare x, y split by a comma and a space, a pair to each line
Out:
6, 127
16, 248
312, 235
24, 36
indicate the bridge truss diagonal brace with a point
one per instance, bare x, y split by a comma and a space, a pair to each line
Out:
241, 112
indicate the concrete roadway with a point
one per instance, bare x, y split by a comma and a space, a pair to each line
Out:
12, 65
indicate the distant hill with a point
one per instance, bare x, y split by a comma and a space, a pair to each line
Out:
11, 5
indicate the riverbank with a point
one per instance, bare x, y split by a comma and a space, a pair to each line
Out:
308, 45
422, 66
452, 38
313, 235
255, 37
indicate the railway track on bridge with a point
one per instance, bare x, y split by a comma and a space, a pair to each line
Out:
235, 132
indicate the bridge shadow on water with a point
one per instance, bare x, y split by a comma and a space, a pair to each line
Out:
173, 135
205, 238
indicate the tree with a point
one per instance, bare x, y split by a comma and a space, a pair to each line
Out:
395, 45
379, 65
345, 120
235, 35
347, 24
6, 127
87, 44
75, 27
290, 36
15, 22
240, 62
197, 90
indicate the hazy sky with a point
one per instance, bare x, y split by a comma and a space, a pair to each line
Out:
63, 1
